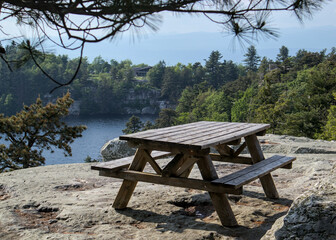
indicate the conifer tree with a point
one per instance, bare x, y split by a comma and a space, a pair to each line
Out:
167, 118
33, 130
214, 69
252, 59
133, 125
283, 54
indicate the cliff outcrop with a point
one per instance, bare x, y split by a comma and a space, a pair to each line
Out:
73, 202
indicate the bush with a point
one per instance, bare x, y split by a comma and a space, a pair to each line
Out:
88, 159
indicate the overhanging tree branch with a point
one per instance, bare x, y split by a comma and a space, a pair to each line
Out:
83, 19
59, 84
91, 21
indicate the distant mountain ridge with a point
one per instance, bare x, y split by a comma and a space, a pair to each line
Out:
192, 47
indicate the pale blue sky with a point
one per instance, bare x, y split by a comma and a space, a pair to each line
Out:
189, 39
189, 23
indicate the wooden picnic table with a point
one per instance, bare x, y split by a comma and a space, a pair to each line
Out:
190, 145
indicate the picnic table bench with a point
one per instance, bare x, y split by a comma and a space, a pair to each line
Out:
190, 144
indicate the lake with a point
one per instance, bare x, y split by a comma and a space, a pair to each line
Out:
99, 131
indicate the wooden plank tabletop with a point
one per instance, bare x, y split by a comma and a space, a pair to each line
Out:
197, 135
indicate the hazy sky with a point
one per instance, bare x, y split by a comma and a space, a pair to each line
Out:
186, 23
185, 38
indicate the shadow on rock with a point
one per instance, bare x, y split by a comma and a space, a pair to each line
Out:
198, 213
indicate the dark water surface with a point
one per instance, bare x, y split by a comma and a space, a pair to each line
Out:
99, 131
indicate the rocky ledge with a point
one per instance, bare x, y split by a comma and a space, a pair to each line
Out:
73, 202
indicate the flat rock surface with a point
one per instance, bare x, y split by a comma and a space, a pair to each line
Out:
73, 202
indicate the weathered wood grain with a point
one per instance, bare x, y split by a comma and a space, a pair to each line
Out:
127, 187
220, 158
224, 150
246, 175
257, 156
167, 130
164, 146
241, 160
195, 132
190, 143
219, 200
259, 171
152, 162
173, 165
186, 166
227, 137
200, 135
240, 149
171, 181
121, 163
221, 130
234, 142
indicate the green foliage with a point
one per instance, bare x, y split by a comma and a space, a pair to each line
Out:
177, 78
155, 74
217, 107
264, 66
167, 118
293, 100
329, 130
296, 104
148, 125
305, 59
34, 129
293, 93
89, 159
213, 69
208, 105
99, 65
170, 87
252, 59
133, 125
241, 109
100, 83
186, 100
283, 54
200, 105
218, 73
96, 86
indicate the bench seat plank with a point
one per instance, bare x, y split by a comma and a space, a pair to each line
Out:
241, 160
116, 165
246, 175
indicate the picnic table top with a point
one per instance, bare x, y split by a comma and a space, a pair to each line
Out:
197, 135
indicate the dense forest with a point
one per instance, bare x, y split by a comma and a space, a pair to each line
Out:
295, 94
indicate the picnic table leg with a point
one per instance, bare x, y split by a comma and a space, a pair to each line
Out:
187, 172
219, 200
127, 187
257, 156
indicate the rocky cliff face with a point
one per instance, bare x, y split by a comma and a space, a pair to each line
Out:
136, 102
73, 202
312, 215
145, 101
